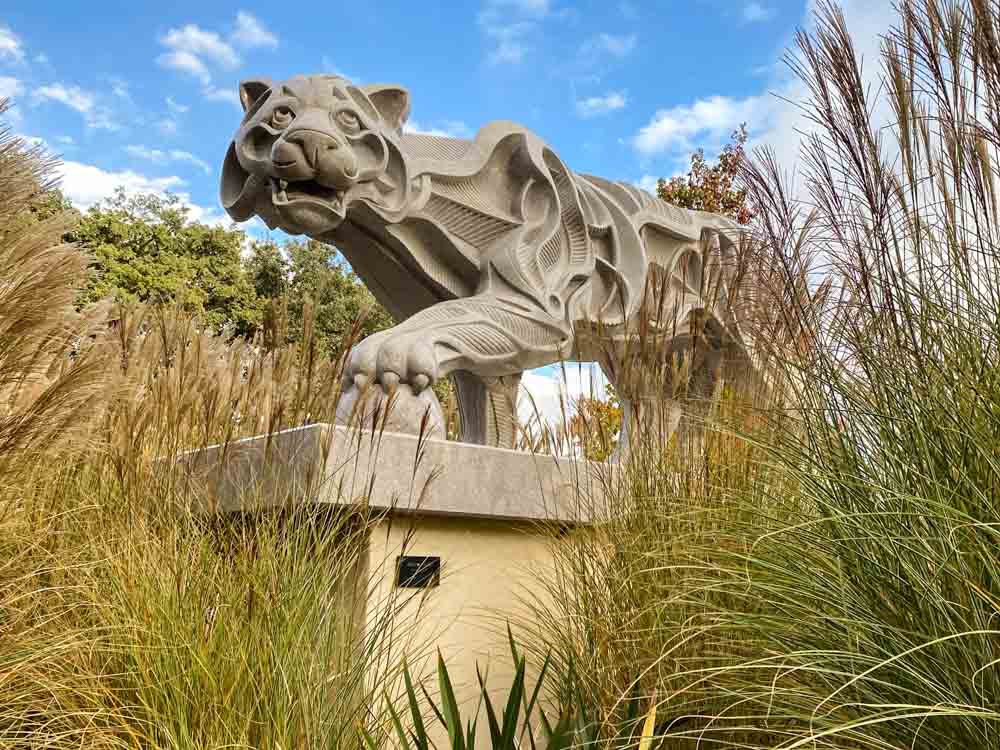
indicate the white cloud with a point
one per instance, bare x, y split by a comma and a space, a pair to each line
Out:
103, 120
508, 51
66, 139
35, 141
712, 120
168, 126
648, 183
71, 96
214, 94
10, 45
251, 33
199, 43
772, 116
447, 129
549, 391
196, 51
97, 117
10, 87
120, 89
213, 217
186, 62
175, 106
158, 156
601, 105
754, 11
614, 45
86, 185
509, 26
867, 21
510, 45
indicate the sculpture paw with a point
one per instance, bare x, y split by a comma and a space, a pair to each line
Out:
393, 357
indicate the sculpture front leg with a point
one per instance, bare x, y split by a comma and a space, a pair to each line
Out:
485, 335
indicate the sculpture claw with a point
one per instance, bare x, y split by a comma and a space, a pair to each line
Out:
420, 382
360, 381
390, 381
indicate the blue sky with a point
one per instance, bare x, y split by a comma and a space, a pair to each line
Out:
147, 91
143, 94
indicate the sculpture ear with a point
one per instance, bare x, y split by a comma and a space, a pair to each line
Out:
392, 103
253, 89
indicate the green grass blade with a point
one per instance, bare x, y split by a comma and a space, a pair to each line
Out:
512, 711
419, 730
449, 707
495, 733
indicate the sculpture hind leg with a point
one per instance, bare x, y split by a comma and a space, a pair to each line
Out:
666, 398
650, 410
487, 408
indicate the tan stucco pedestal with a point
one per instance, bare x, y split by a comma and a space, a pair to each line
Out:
489, 514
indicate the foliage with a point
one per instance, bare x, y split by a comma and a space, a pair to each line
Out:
596, 424
47, 404
132, 622
626, 603
146, 250
523, 721
889, 629
127, 620
38, 323
814, 566
712, 187
309, 274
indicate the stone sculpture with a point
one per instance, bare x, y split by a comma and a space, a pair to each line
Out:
491, 253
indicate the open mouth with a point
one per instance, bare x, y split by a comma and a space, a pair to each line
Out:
284, 193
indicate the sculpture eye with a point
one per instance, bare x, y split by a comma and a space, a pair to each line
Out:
281, 118
348, 120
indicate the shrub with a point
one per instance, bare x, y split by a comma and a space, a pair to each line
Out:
126, 620
826, 576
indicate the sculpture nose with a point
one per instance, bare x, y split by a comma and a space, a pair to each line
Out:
313, 144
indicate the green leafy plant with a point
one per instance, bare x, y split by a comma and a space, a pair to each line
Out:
522, 722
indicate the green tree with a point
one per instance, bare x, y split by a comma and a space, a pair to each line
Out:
145, 248
268, 270
307, 272
711, 187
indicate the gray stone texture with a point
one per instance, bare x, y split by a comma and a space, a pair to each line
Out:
493, 256
394, 473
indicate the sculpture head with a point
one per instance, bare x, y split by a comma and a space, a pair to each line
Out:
310, 148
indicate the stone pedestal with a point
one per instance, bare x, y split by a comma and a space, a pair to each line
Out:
489, 514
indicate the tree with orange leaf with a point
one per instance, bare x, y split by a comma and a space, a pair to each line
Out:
711, 187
